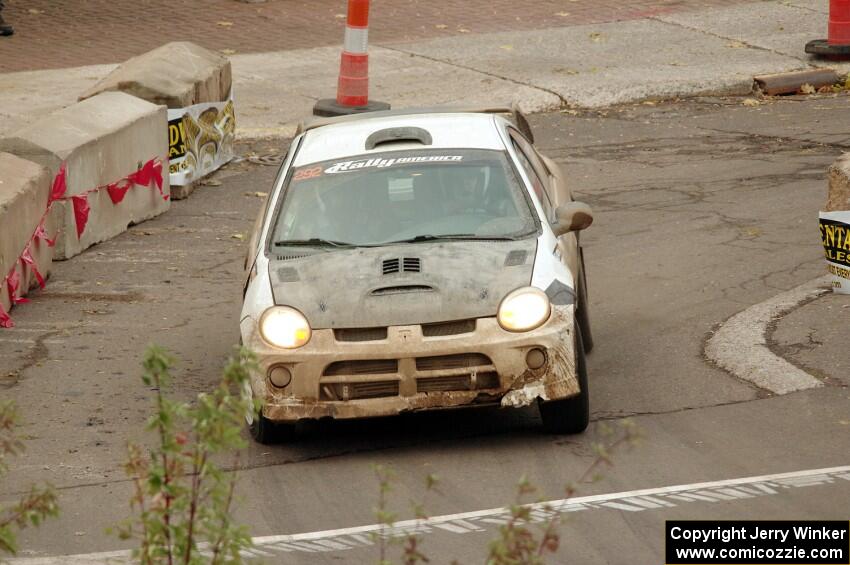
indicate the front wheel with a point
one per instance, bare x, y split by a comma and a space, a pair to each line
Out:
263, 430
266, 432
570, 415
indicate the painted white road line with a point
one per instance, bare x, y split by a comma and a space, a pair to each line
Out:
342, 539
740, 345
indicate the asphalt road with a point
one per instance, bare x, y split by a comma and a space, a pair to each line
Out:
703, 208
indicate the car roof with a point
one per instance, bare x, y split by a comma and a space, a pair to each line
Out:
341, 138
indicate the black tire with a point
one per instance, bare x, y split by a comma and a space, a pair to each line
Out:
583, 309
571, 415
266, 432
262, 430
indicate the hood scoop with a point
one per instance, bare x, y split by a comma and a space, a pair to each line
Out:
402, 289
407, 264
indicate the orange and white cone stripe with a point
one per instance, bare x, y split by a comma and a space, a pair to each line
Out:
353, 86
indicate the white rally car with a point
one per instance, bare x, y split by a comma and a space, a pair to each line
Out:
416, 260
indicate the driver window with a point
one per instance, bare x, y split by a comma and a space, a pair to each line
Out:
536, 182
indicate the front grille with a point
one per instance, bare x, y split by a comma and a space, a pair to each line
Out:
460, 361
357, 391
364, 367
412, 264
360, 334
479, 381
449, 328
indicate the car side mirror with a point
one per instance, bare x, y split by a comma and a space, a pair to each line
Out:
572, 216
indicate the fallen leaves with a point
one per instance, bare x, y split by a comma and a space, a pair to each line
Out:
227, 51
751, 102
595, 36
807, 89
257, 194
239, 236
224, 24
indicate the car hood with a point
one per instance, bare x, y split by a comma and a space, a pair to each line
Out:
380, 286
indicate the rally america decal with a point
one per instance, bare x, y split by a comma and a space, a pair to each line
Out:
345, 166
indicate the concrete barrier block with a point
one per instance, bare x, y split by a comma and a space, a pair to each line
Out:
24, 191
838, 197
101, 140
177, 74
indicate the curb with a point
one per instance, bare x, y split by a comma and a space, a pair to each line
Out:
740, 344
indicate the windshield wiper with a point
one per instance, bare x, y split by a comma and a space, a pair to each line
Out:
460, 236
314, 241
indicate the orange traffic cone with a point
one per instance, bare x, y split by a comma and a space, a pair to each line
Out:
837, 46
352, 95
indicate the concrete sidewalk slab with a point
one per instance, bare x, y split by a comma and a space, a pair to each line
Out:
600, 65
776, 27
274, 91
819, 6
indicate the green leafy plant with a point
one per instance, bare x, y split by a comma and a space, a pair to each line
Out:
410, 543
531, 529
183, 498
33, 507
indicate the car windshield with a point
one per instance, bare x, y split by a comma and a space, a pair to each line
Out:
397, 196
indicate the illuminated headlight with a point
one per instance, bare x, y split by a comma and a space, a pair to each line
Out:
524, 309
282, 326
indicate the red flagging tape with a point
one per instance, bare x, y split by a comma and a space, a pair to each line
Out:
150, 172
59, 185
81, 211
26, 259
12, 284
117, 191
41, 233
5, 320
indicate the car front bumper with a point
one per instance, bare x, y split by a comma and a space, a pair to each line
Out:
407, 370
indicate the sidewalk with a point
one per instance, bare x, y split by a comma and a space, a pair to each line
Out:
814, 337
678, 53
53, 34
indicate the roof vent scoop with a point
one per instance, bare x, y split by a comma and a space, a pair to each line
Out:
398, 135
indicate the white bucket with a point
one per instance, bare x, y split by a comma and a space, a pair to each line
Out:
835, 235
